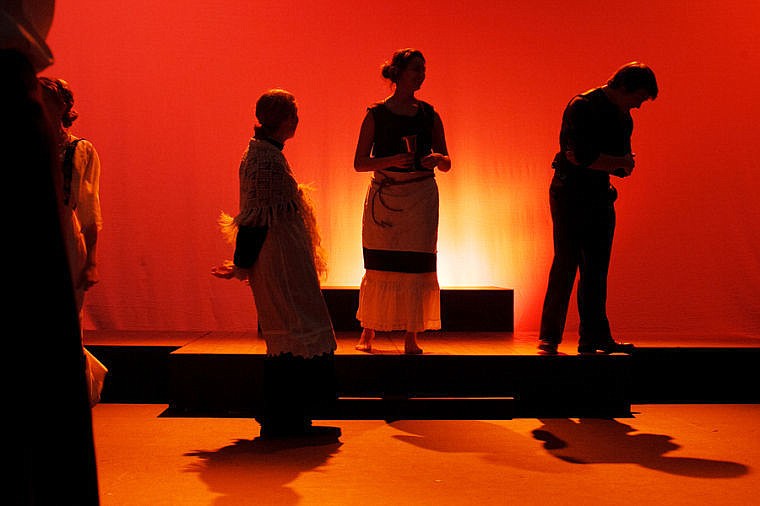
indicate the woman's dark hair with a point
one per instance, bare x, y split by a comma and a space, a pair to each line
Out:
272, 108
392, 68
634, 76
60, 90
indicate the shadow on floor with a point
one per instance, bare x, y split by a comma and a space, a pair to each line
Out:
261, 469
603, 441
575, 441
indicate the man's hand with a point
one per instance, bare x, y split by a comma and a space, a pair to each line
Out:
626, 168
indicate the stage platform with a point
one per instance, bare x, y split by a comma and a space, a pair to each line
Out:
465, 308
460, 375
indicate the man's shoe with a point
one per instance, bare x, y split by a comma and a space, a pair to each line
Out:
606, 347
547, 347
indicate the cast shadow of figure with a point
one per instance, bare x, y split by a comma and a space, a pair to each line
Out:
257, 471
607, 441
486, 439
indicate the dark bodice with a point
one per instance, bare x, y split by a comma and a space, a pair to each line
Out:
390, 128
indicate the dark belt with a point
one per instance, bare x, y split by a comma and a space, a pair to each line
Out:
414, 262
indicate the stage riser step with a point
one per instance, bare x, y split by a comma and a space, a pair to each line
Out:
485, 309
545, 386
145, 374
695, 375
477, 375
388, 409
136, 374
420, 408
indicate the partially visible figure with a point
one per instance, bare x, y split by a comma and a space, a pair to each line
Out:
80, 173
402, 141
80, 213
48, 380
595, 142
277, 251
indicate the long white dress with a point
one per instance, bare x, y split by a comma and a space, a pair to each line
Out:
82, 206
292, 312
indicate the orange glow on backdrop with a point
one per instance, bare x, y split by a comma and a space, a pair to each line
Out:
166, 92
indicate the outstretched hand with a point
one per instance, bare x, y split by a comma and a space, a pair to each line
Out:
626, 168
228, 270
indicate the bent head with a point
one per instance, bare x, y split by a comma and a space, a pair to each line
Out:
634, 83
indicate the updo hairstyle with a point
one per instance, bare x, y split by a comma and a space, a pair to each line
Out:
392, 68
60, 91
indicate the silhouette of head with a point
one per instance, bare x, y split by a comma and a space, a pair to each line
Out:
632, 77
58, 92
400, 60
274, 108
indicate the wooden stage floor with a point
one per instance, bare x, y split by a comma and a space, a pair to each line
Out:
432, 342
664, 454
211, 370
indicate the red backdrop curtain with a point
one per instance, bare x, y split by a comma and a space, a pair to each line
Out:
166, 90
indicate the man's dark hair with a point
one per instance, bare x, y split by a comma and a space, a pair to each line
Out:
634, 76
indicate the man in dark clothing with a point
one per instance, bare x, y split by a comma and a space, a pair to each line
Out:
595, 142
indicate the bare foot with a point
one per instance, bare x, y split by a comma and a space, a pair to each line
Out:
410, 344
365, 341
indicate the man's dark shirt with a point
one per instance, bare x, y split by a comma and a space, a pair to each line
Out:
592, 125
